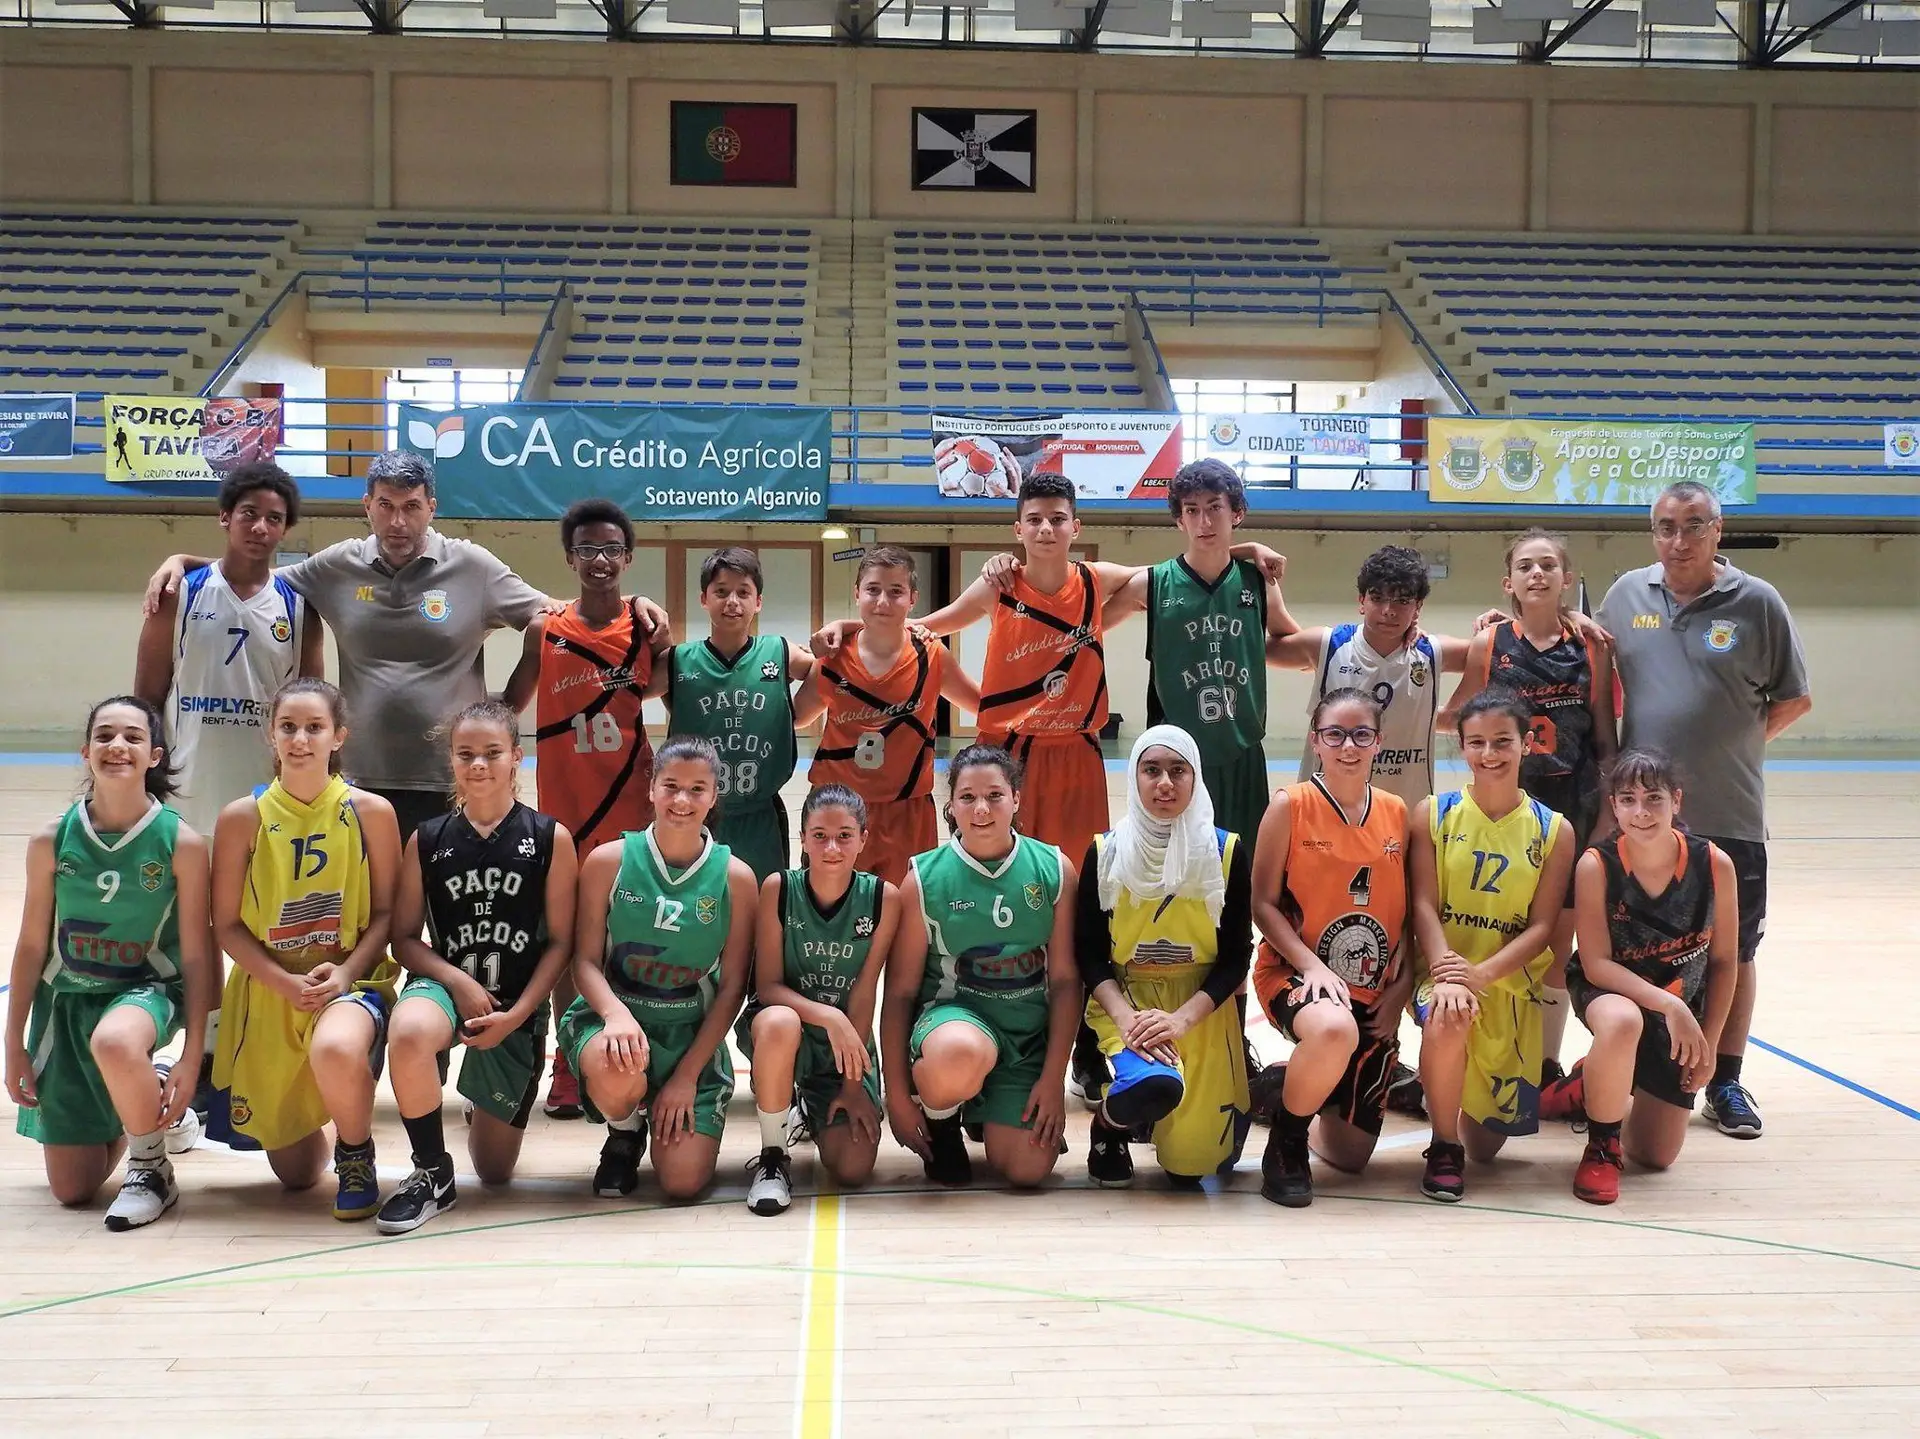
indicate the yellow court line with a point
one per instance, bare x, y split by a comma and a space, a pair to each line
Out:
817, 1414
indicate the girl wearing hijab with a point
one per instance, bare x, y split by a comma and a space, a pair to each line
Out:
1163, 934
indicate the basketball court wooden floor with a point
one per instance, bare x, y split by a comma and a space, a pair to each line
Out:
1768, 1288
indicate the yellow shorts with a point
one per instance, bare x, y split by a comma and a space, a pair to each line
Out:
1199, 1136
1504, 1050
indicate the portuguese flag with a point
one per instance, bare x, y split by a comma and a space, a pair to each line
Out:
717, 144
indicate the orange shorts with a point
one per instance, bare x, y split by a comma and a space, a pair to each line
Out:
897, 830
1063, 800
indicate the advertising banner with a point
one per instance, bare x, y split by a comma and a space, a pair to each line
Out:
1903, 446
659, 462
1584, 462
153, 438
1287, 436
36, 427
1108, 454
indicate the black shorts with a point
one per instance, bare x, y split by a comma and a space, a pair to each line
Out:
1360, 1098
1749, 858
1572, 797
413, 807
1654, 1072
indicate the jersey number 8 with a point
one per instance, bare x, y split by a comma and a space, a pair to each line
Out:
871, 751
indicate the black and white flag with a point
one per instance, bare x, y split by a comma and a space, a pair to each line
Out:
973, 149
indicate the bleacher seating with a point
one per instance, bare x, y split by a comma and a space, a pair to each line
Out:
144, 301
660, 311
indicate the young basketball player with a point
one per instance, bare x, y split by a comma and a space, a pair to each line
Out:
735, 689
112, 961
663, 938
1653, 978
1490, 870
1162, 929
982, 996
495, 884
1567, 681
881, 692
585, 670
303, 881
822, 940
1330, 898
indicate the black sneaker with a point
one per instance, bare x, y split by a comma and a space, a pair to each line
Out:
1730, 1107
1286, 1173
975, 1131
1405, 1094
1445, 1178
1263, 1091
950, 1163
425, 1193
1089, 1075
619, 1171
1109, 1161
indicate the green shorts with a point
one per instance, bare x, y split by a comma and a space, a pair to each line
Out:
1009, 1084
757, 835
1237, 785
75, 1107
817, 1080
500, 1081
712, 1090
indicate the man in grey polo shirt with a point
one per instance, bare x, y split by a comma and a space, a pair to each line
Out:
1711, 669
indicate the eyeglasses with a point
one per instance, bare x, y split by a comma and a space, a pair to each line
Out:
584, 553
1333, 736
1693, 529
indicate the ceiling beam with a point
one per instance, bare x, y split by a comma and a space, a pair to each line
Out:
1566, 32
1800, 37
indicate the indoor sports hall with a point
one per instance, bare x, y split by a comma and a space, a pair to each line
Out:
825, 280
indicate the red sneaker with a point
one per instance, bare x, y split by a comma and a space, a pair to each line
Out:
1565, 1100
1597, 1180
563, 1095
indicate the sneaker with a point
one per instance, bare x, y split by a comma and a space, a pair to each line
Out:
1109, 1161
1732, 1109
1597, 1180
1552, 1073
205, 1096
563, 1095
770, 1182
1446, 1175
1564, 1101
358, 1196
618, 1174
1405, 1094
1088, 1076
949, 1164
1263, 1091
146, 1193
798, 1130
1286, 1173
185, 1131
425, 1193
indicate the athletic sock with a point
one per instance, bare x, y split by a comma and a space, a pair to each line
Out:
1294, 1126
1554, 1004
1598, 1133
632, 1124
1726, 1069
429, 1138
213, 1031
773, 1128
936, 1115
147, 1148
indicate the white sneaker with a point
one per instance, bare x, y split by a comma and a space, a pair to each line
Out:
147, 1192
770, 1186
184, 1132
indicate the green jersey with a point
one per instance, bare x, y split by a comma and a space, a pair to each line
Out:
1207, 654
665, 933
745, 706
115, 919
824, 954
988, 927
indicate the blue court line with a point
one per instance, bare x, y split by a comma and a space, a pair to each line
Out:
1839, 1079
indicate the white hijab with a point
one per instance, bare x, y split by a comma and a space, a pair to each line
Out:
1164, 859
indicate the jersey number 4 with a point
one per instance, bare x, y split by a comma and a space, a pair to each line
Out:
1361, 890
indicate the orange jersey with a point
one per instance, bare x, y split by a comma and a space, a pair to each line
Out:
1345, 889
1046, 668
878, 739
595, 764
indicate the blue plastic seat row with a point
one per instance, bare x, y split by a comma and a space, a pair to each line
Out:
1731, 288
31, 217
1679, 247
197, 272
1110, 347
1799, 400
170, 331
587, 228
204, 291
1731, 352
1629, 268
1746, 320
42, 372
13, 308
98, 352
1020, 326
1694, 376
1032, 236
1610, 332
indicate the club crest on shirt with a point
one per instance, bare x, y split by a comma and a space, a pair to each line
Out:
770, 671
1036, 897
706, 909
527, 848
1390, 846
282, 631
1417, 674
863, 927
1722, 635
434, 606
1246, 599
151, 873
1535, 853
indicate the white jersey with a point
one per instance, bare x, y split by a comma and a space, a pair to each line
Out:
1406, 684
230, 656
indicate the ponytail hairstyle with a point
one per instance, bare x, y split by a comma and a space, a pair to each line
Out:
487, 712
688, 747
1648, 769
161, 781
1496, 699
833, 796
981, 754
309, 685
1346, 694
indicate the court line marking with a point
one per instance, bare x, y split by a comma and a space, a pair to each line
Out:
817, 1413
1840, 1079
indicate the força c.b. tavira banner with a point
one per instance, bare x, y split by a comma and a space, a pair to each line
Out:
185, 438
660, 462
1584, 462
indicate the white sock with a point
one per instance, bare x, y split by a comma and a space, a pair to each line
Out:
632, 1124
936, 1115
773, 1128
146, 1148
213, 1031
1554, 1005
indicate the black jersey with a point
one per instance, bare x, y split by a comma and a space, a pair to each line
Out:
1664, 938
1557, 684
487, 897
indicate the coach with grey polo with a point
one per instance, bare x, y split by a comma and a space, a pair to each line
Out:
1712, 669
